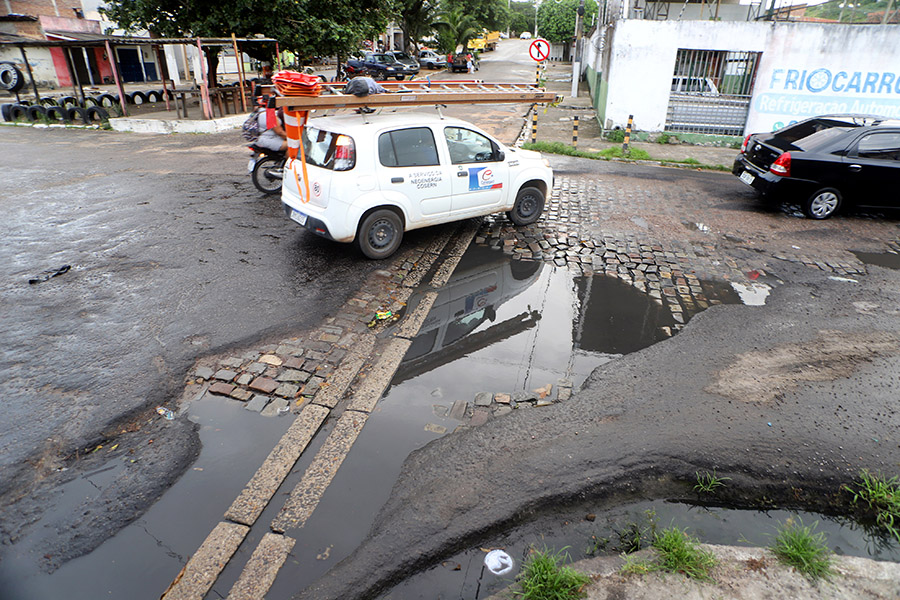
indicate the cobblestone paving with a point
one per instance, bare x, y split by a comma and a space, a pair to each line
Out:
278, 377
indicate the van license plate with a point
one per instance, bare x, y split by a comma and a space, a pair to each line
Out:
747, 177
298, 216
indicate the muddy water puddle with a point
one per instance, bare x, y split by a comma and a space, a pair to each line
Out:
612, 532
888, 260
142, 559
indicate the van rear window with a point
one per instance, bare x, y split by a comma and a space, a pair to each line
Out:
320, 147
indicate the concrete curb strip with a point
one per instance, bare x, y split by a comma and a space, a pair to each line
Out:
265, 482
377, 380
260, 571
204, 567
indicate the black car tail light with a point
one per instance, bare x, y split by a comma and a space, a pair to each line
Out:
746, 142
782, 165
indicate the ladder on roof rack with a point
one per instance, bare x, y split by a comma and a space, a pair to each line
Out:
421, 93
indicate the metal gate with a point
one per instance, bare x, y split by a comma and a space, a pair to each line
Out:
711, 91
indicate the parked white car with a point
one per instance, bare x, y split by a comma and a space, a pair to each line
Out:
371, 178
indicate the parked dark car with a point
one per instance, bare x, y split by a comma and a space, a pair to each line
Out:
410, 66
460, 63
824, 162
429, 59
377, 65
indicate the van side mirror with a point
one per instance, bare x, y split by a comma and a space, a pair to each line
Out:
499, 155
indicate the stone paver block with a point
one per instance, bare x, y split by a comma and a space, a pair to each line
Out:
266, 385
244, 379
225, 375
271, 359
480, 417
434, 428
222, 388
257, 403
241, 394
204, 372
287, 390
483, 399
293, 362
275, 407
256, 368
293, 375
502, 398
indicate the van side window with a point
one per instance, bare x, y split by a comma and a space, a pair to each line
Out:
413, 147
467, 146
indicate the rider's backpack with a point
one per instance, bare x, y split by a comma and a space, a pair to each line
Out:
250, 128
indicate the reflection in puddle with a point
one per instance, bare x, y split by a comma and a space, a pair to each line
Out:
752, 294
462, 575
888, 260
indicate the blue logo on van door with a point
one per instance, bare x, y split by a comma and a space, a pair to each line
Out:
482, 178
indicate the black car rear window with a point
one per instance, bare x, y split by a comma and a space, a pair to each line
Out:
821, 139
805, 129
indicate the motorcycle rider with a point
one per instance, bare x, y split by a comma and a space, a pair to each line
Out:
271, 124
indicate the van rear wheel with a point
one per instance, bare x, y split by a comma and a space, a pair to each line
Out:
380, 234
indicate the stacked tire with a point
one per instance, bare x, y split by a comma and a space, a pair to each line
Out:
65, 109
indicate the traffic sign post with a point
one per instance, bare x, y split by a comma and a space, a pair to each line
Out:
539, 50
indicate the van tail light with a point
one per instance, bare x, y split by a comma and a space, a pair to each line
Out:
746, 143
344, 153
782, 165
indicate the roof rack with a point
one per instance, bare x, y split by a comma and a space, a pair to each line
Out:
422, 93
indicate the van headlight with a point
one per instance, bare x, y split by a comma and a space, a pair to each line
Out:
546, 161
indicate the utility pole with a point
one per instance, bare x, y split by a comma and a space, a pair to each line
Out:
576, 60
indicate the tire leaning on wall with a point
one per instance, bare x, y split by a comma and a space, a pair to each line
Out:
57, 114
36, 113
11, 78
77, 115
95, 114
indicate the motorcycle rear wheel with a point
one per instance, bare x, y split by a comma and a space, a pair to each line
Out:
267, 175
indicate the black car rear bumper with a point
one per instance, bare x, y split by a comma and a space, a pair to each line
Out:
770, 184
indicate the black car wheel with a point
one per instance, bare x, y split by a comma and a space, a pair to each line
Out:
380, 234
528, 207
822, 204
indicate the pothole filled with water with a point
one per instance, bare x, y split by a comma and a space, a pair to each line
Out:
888, 260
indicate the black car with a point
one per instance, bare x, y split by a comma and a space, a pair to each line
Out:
825, 161
409, 64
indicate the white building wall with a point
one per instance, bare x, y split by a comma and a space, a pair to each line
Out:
805, 69
41, 66
642, 60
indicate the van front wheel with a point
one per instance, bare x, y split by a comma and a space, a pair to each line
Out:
528, 207
380, 234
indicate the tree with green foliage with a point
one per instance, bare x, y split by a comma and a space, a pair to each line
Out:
306, 27
491, 14
455, 28
860, 11
521, 16
416, 18
556, 20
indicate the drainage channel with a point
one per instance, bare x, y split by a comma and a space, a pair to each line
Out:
592, 531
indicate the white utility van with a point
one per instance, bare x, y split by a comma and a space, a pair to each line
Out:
372, 177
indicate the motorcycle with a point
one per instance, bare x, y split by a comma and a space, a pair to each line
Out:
266, 169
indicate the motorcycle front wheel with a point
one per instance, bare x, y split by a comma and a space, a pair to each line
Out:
267, 175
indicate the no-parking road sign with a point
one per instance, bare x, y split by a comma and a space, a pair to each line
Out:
539, 50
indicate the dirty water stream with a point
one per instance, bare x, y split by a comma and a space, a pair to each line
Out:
499, 326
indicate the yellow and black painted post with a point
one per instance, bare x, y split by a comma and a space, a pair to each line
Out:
534, 125
628, 133
575, 132
537, 74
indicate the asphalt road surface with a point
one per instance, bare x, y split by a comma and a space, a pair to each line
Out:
164, 252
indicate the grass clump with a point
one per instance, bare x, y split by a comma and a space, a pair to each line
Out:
680, 553
708, 483
882, 496
616, 135
605, 154
798, 546
543, 578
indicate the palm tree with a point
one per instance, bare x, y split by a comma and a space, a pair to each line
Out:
416, 19
454, 29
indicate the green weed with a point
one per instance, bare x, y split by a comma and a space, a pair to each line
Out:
882, 496
680, 553
616, 135
542, 577
637, 566
664, 138
708, 483
605, 154
796, 545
